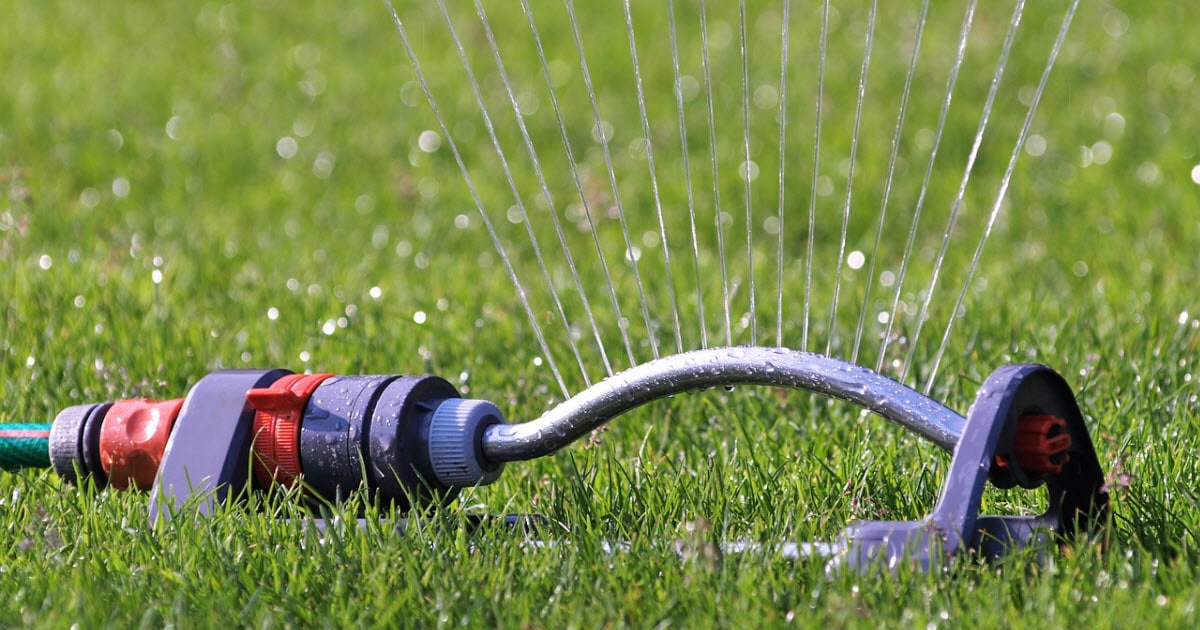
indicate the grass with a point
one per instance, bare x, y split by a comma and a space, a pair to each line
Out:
143, 141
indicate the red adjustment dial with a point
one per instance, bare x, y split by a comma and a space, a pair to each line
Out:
279, 410
1040, 444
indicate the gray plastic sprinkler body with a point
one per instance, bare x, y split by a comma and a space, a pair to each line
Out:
412, 439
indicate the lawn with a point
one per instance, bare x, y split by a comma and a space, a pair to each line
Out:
202, 186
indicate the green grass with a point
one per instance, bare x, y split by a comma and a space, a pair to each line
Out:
143, 138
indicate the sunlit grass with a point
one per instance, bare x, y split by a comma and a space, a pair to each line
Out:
187, 188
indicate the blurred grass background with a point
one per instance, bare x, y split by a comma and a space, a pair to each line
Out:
188, 188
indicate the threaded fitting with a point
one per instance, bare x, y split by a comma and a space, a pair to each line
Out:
75, 443
455, 430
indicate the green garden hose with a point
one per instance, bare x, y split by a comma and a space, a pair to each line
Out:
24, 446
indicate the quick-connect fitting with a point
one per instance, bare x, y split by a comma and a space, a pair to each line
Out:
408, 440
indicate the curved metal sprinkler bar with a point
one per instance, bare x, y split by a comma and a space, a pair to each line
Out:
1024, 428
719, 367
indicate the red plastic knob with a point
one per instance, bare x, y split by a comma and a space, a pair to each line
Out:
133, 438
279, 411
1041, 443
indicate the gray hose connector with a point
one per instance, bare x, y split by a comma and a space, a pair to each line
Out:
75, 443
455, 442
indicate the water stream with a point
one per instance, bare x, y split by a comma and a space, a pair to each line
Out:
708, 157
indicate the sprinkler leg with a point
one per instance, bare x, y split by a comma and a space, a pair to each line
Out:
999, 441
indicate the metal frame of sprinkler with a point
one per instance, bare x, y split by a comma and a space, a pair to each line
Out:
412, 440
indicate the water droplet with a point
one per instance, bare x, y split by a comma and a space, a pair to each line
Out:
1114, 125
172, 127
1116, 23
527, 103
323, 165
120, 187
287, 147
748, 171
1150, 173
306, 54
429, 141
90, 197
602, 132
302, 126
766, 97
824, 186
1035, 145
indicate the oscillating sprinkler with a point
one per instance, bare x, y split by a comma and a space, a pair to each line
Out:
412, 440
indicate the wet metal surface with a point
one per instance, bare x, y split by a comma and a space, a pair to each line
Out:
719, 367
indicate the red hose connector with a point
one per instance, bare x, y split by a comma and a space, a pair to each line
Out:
133, 438
279, 411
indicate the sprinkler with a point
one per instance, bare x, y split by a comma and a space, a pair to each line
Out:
413, 441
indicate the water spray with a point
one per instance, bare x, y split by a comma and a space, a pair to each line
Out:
412, 441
